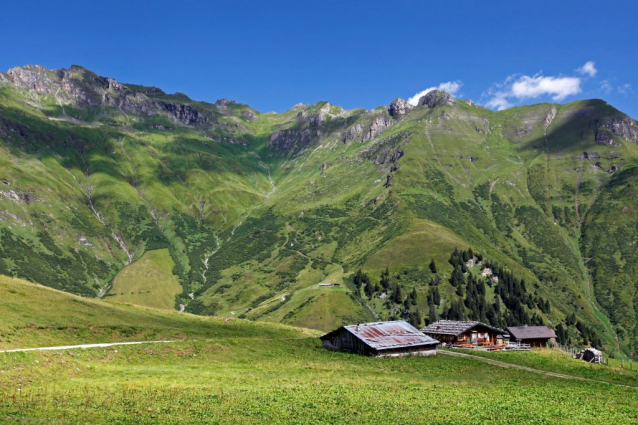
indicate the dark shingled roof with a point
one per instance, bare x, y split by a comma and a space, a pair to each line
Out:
454, 327
387, 335
531, 332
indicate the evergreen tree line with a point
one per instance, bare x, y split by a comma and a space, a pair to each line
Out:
471, 290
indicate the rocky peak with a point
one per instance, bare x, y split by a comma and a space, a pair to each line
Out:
81, 87
623, 127
34, 77
399, 108
436, 98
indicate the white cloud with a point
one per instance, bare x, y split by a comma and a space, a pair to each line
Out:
625, 89
521, 87
606, 86
498, 102
558, 87
588, 69
451, 87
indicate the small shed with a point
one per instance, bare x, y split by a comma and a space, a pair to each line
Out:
535, 336
381, 339
590, 355
466, 333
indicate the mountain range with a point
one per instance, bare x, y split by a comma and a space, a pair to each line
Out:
319, 215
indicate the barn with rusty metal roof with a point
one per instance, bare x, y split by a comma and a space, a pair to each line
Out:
396, 338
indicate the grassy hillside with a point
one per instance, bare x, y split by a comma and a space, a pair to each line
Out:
251, 372
148, 282
257, 209
36, 316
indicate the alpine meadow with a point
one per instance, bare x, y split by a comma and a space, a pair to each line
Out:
237, 237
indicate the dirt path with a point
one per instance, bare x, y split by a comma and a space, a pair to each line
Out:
527, 369
73, 347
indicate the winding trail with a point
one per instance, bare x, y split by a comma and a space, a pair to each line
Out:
73, 347
528, 369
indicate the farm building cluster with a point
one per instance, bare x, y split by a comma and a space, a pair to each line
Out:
399, 338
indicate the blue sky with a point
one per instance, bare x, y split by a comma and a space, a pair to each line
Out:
274, 54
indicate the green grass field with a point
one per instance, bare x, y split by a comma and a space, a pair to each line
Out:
560, 362
251, 372
148, 282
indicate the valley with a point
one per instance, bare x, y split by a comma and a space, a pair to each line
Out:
252, 211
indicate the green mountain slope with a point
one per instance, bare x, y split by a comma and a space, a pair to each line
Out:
257, 210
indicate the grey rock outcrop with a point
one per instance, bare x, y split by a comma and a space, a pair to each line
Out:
436, 98
83, 88
388, 181
185, 114
285, 139
378, 126
624, 127
250, 116
353, 133
399, 108
549, 118
604, 137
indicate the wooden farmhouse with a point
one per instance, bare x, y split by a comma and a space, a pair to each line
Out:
466, 334
535, 336
383, 339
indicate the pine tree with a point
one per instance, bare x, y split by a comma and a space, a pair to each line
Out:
417, 319
413, 296
457, 277
436, 296
385, 278
432, 317
454, 258
397, 297
465, 256
561, 334
571, 319
369, 290
433, 266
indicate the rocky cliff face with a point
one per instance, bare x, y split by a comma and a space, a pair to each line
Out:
286, 139
81, 88
399, 108
378, 126
436, 98
624, 127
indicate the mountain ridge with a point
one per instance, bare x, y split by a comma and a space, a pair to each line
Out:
258, 208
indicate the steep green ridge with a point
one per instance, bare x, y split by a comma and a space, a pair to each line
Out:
257, 209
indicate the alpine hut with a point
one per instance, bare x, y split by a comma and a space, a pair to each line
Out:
381, 339
535, 336
466, 334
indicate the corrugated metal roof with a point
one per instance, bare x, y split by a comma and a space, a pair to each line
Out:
531, 332
387, 335
455, 327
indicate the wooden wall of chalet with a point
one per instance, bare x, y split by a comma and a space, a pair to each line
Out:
345, 341
536, 343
